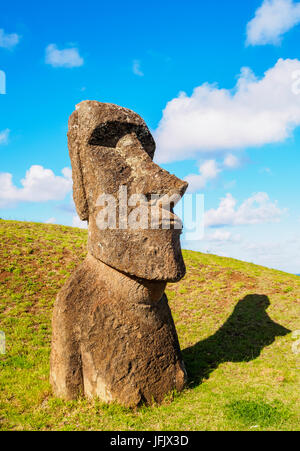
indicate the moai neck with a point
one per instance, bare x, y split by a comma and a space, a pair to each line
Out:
127, 287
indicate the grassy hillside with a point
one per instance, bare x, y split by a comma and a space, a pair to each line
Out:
234, 320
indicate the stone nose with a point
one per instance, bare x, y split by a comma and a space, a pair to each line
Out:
165, 185
150, 178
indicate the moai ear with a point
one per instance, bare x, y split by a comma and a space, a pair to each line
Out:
74, 144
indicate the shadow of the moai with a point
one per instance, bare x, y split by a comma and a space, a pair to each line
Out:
241, 339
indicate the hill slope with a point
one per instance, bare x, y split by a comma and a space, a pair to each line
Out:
234, 322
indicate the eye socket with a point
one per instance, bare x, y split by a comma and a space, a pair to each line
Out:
109, 133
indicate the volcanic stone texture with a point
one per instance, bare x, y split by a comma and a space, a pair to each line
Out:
113, 332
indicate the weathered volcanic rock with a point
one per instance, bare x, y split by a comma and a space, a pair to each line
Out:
113, 332
114, 337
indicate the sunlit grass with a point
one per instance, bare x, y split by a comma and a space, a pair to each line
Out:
234, 322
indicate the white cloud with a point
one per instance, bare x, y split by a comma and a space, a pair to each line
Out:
63, 58
8, 41
51, 221
39, 185
222, 236
272, 19
136, 68
231, 161
257, 209
255, 113
207, 171
283, 254
76, 222
4, 134
67, 172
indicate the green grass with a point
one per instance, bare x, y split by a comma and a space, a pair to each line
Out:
234, 320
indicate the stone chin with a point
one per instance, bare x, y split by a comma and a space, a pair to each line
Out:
147, 254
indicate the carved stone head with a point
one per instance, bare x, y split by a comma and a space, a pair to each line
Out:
111, 148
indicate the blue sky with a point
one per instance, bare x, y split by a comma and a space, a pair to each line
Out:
234, 134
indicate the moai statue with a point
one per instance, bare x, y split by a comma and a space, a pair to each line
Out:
113, 333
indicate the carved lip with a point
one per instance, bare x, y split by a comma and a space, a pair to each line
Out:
166, 213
